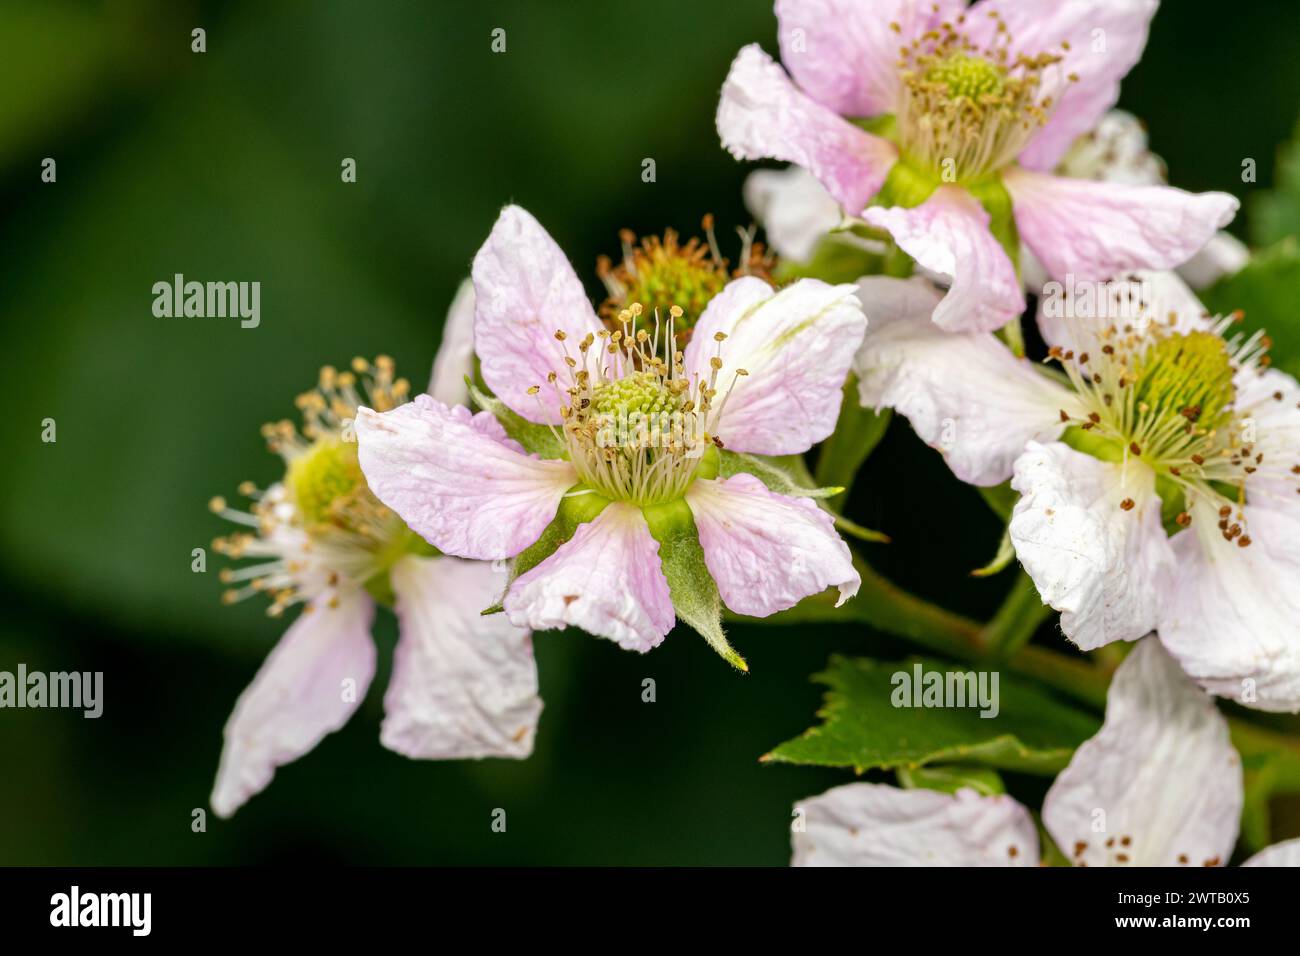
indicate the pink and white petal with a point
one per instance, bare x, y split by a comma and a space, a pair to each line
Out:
1230, 619
308, 687
463, 685
767, 552
1116, 150
1093, 231
872, 824
796, 346
1159, 784
1286, 853
1074, 315
948, 234
1223, 255
844, 53
1268, 400
1105, 37
455, 359
965, 394
607, 579
526, 291
449, 475
795, 210
762, 115
1105, 568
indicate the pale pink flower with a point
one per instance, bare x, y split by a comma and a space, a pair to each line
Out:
966, 114
1158, 467
1159, 785
462, 686
632, 523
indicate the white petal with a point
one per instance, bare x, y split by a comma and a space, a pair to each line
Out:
948, 234
456, 481
1286, 853
455, 359
767, 552
795, 345
526, 291
607, 579
1076, 314
1231, 616
307, 687
763, 115
1159, 785
1105, 568
463, 685
1223, 255
795, 210
965, 394
868, 824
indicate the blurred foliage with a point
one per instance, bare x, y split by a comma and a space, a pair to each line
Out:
225, 165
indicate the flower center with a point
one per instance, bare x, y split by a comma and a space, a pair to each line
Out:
1167, 399
321, 527
636, 426
966, 112
661, 273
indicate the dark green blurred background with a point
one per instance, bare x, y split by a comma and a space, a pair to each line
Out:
225, 165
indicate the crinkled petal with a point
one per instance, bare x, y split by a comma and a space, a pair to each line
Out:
795, 210
948, 234
1286, 853
1230, 619
1159, 784
768, 552
796, 346
1105, 37
762, 115
607, 579
308, 687
1092, 231
464, 685
455, 359
525, 292
1104, 567
965, 394
871, 824
1076, 315
844, 53
454, 480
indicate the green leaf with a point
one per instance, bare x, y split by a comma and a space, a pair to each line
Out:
950, 778
1266, 290
536, 439
1275, 213
862, 728
693, 591
1260, 779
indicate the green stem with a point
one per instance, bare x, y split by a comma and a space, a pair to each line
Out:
857, 433
1016, 620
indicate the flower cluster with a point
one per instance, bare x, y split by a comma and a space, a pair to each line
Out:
624, 467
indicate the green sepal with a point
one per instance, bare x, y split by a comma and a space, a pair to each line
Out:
996, 200
949, 778
905, 187
578, 506
1001, 499
380, 584
834, 260
693, 591
1006, 553
536, 439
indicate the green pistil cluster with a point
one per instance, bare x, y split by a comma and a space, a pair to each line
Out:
645, 393
328, 472
967, 76
1185, 383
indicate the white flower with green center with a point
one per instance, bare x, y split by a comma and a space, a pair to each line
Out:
1162, 770
619, 473
462, 685
940, 127
1157, 459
